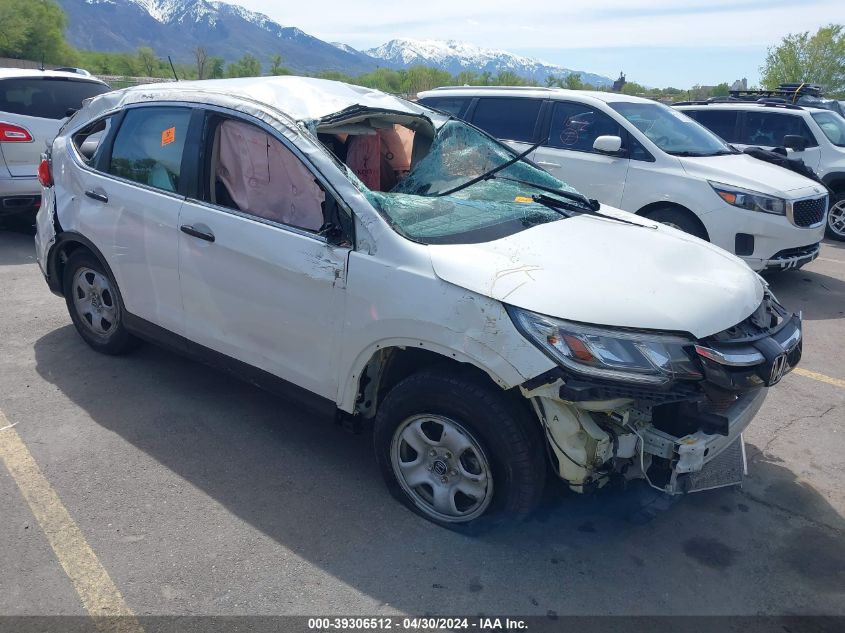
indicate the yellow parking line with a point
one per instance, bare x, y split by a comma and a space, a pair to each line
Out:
98, 593
820, 377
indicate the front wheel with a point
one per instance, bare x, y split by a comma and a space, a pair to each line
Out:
457, 451
678, 219
835, 229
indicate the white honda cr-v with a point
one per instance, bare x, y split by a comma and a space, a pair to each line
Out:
389, 265
646, 158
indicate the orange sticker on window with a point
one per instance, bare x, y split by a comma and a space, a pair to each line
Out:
523, 199
168, 136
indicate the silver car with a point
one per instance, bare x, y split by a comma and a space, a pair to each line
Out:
33, 104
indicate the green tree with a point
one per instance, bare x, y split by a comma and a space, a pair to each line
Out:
818, 59
246, 66
216, 68
34, 30
573, 82
147, 61
276, 67
509, 78
633, 88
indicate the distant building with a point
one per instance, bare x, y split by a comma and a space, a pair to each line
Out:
740, 84
619, 83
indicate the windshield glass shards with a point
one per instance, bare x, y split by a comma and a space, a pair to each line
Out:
481, 212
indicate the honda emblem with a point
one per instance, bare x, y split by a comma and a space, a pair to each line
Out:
779, 366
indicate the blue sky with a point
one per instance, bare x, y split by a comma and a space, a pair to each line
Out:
656, 42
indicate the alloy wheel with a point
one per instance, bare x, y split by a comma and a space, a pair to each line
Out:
836, 218
95, 302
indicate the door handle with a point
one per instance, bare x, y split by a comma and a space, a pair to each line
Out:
96, 195
208, 236
545, 164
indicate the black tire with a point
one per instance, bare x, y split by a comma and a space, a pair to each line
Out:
509, 438
680, 219
114, 339
836, 200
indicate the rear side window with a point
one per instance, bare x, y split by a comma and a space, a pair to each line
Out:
148, 146
88, 140
46, 97
769, 129
507, 118
456, 106
721, 122
576, 126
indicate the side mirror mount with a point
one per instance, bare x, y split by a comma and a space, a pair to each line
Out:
332, 232
607, 144
794, 142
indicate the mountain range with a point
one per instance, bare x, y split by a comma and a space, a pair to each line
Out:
178, 27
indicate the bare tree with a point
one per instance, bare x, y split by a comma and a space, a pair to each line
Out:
201, 57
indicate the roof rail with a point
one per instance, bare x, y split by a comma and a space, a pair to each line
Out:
498, 88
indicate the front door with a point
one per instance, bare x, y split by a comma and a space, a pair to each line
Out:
259, 283
568, 153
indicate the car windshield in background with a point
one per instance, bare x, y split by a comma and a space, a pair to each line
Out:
46, 97
673, 132
832, 125
484, 211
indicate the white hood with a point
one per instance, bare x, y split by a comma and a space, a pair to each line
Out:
604, 272
751, 173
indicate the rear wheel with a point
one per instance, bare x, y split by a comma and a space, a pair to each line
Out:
95, 306
680, 219
836, 218
457, 452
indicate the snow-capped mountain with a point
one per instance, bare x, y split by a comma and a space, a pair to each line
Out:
177, 27
456, 57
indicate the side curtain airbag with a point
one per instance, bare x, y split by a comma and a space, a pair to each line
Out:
265, 179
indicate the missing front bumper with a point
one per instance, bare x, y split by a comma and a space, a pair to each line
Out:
701, 461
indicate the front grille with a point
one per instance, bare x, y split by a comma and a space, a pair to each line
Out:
809, 212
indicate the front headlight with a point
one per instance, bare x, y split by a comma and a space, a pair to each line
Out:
640, 357
751, 200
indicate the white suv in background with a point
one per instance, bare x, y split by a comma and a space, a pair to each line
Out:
33, 104
815, 135
646, 158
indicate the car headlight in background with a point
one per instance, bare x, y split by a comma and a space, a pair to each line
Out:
751, 200
638, 357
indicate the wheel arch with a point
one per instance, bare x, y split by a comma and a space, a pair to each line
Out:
835, 181
68, 242
665, 204
385, 364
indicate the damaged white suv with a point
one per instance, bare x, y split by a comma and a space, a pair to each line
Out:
389, 264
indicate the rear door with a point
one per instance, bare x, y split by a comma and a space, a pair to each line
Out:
512, 120
260, 283
723, 123
38, 105
569, 155
766, 127
128, 205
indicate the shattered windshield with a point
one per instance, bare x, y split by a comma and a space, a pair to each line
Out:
484, 211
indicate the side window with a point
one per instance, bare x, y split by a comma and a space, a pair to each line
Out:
769, 128
88, 140
576, 126
509, 119
456, 106
148, 146
721, 122
252, 172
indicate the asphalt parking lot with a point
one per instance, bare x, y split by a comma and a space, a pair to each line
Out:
198, 494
